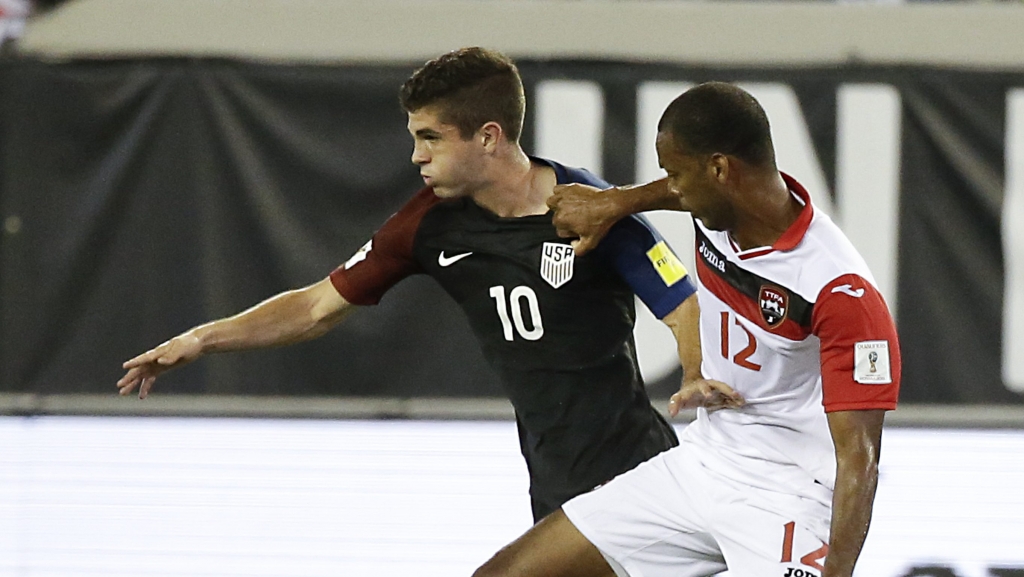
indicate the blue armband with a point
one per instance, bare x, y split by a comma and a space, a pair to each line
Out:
645, 261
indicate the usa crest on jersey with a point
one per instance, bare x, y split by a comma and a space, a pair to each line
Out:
556, 261
774, 305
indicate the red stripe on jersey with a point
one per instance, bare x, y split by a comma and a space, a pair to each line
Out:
389, 259
743, 305
796, 231
849, 310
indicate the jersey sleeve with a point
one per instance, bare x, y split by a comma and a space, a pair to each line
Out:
860, 350
568, 174
386, 258
645, 261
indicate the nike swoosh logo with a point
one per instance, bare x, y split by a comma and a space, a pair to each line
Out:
450, 260
848, 289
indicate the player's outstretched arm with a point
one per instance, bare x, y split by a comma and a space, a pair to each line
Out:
858, 438
289, 317
588, 213
696, 391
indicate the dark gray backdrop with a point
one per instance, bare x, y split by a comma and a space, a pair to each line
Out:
142, 197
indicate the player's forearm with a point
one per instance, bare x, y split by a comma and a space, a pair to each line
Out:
852, 501
653, 195
685, 325
287, 318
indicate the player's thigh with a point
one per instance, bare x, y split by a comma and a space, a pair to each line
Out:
757, 542
551, 548
679, 555
649, 522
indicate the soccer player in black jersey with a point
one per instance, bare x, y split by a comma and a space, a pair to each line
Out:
557, 328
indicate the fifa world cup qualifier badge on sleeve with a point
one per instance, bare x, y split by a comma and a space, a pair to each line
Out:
871, 363
665, 262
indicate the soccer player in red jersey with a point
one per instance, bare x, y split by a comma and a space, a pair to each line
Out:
791, 319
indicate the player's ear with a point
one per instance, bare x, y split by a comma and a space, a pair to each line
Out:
718, 167
489, 135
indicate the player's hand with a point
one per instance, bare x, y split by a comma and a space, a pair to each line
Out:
583, 212
704, 393
145, 368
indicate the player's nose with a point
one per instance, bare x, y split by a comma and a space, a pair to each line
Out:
419, 156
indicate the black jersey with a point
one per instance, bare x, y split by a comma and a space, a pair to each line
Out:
556, 327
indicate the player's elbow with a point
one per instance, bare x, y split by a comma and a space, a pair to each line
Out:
324, 306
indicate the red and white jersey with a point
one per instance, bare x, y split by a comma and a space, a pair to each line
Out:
799, 329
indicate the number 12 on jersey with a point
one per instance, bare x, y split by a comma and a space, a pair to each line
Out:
740, 358
515, 302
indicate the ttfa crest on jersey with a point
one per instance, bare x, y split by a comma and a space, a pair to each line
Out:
774, 305
556, 263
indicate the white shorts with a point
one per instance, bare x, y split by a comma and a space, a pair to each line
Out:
673, 517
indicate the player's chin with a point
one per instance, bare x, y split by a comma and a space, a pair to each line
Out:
449, 193
709, 223
687, 207
442, 191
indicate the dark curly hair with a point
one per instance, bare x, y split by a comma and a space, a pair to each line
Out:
471, 87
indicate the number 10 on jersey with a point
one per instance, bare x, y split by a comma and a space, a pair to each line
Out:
515, 302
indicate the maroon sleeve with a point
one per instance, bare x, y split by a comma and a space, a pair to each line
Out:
860, 351
387, 257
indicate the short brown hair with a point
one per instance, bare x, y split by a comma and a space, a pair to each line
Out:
471, 86
720, 117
